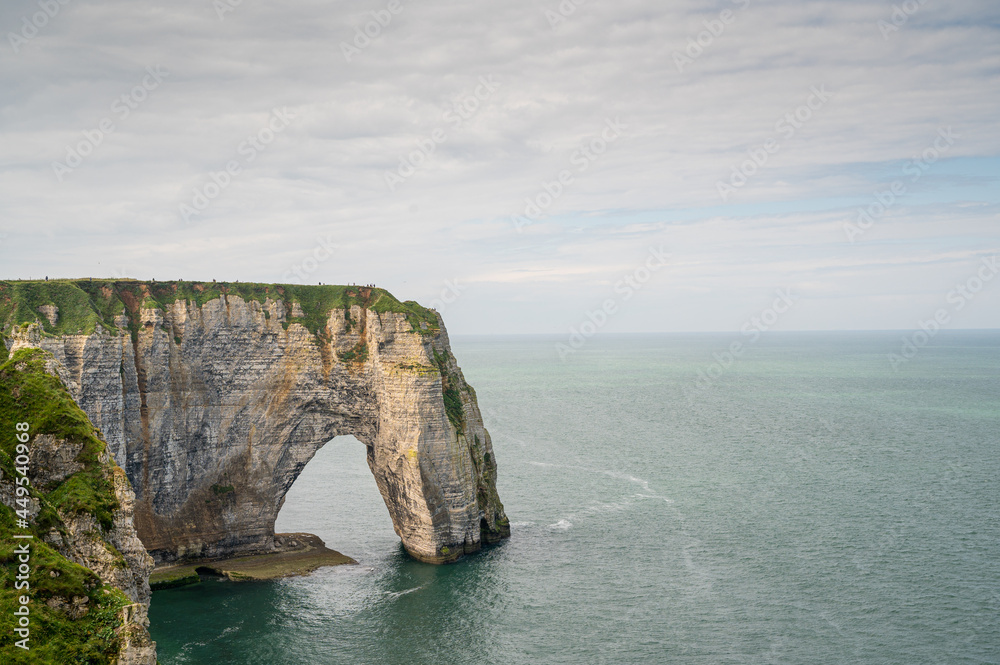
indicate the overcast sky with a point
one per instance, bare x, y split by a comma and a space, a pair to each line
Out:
739, 138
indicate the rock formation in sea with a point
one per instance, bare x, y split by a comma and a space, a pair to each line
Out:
213, 397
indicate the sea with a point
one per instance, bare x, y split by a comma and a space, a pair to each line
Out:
816, 498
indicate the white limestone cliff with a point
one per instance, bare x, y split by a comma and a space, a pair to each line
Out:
214, 409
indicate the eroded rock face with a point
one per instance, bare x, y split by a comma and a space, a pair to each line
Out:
127, 567
51, 313
214, 410
111, 550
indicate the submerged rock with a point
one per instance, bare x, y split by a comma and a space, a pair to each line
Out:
295, 554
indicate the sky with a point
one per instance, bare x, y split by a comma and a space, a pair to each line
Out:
524, 167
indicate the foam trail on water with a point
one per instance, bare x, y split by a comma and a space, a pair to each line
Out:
397, 594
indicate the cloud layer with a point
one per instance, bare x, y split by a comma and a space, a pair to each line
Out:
231, 139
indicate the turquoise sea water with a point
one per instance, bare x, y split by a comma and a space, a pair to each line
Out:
808, 505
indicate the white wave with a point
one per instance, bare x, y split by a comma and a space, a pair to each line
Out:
644, 484
617, 475
397, 594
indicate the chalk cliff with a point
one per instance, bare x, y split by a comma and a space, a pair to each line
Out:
69, 526
213, 397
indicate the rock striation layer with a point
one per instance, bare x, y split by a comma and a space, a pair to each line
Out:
214, 397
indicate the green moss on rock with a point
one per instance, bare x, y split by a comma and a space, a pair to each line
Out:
358, 353
29, 394
85, 303
449, 390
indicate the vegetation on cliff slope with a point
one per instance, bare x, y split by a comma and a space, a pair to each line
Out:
29, 394
449, 391
85, 303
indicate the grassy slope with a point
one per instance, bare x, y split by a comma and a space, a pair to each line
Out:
29, 394
85, 303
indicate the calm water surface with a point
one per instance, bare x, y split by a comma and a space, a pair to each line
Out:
809, 505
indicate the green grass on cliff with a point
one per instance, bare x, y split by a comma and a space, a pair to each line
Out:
19, 303
449, 391
29, 394
85, 303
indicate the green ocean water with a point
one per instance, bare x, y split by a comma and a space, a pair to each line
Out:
808, 504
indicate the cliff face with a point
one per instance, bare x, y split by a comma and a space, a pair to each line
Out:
88, 586
214, 397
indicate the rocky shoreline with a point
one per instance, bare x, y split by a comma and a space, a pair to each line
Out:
295, 554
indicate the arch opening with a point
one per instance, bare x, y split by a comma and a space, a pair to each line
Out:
336, 498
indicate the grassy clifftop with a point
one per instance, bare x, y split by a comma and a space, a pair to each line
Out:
58, 586
85, 303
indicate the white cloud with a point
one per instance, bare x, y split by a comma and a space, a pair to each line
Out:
686, 130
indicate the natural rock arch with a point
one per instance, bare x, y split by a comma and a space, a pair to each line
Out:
213, 410
334, 492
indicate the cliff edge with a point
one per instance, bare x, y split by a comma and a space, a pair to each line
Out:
214, 396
